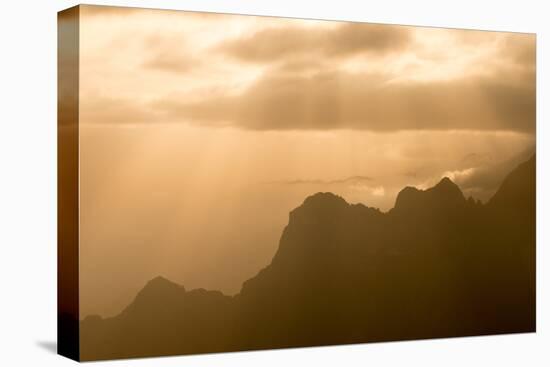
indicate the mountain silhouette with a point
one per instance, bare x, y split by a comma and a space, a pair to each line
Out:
436, 265
444, 195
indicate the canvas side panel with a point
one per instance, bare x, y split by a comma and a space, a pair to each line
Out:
68, 183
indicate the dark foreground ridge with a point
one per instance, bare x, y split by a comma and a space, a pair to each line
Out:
437, 265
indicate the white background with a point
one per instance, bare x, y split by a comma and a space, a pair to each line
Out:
28, 183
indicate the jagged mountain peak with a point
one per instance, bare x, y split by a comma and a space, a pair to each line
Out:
444, 194
324, 199
156, 289
328, 206
518, 189
444, 183
447, 189
162, 282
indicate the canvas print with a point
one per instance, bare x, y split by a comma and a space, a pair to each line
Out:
234, 182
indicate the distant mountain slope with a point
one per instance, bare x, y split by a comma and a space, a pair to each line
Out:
437, 265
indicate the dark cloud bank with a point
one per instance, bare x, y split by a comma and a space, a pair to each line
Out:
500, 98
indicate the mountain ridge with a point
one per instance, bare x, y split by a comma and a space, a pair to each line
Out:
343, 273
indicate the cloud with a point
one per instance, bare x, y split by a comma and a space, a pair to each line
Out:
300, 75
474, 160
105, 110
109, 11
520, 48
480, 175
350, 180
486, 177
341, 100
125, 11
171, 62
357, 186
170, 53
280, 43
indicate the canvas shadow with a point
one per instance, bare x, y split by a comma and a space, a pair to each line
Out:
48, 345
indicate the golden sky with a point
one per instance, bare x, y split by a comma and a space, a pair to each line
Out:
200, 132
